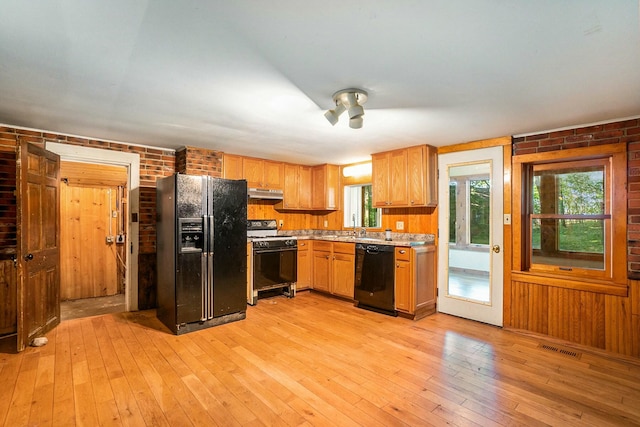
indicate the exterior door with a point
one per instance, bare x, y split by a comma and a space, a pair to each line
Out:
39, 240
470, 223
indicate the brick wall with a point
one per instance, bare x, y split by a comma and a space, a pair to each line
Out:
154, 163
199, 161
627, 131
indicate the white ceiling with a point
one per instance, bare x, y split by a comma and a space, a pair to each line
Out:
255, 77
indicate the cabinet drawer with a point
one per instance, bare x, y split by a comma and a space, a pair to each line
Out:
403, 254
344, 248
320, 245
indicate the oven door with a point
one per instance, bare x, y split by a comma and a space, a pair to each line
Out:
273, 268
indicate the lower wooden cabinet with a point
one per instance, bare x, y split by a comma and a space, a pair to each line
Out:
304, 265
415, 281
334, 267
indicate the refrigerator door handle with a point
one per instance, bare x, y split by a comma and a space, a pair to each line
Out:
209, 301
203, 284
210, 287
211, 234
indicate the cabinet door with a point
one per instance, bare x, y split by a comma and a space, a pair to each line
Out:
332, 187
304, 265
304, 187
232, 166
403, 283
380, 179
273, 175
322, 271
343, 274
416, 163
318, 180
398, 188
290, 195
431, 176
253, 170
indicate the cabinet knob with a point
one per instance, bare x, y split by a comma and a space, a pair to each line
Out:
327, 256
397, 265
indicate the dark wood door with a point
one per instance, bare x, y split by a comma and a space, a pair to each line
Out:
39, 241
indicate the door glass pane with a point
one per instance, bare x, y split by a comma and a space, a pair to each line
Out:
469, 230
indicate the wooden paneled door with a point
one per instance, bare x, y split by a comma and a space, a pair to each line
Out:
38, 242
91, 208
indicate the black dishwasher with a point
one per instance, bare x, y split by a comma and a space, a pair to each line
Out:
374, 278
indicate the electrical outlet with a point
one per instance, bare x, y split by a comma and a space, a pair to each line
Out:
399, 225
120, 238
507, 219
109, 239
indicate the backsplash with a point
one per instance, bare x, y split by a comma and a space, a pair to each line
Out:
429, 238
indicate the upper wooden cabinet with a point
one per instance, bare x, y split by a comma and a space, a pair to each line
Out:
297, 187
232, 167
261, 173
325, 194
405, 177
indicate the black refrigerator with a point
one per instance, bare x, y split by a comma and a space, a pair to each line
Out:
201, 251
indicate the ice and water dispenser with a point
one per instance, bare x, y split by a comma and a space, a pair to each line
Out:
191, 235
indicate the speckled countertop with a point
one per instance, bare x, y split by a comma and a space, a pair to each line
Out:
397, 239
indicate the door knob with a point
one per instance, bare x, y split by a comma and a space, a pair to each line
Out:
496, 249
28, 257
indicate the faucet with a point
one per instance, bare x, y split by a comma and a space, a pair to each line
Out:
353, 218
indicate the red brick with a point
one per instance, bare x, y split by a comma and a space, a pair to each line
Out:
579, 138
631, 139
562, 133
537, 137
621, 125
551, 141
589, 129
525, 151
633, 131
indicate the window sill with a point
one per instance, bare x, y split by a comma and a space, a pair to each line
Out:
586, 285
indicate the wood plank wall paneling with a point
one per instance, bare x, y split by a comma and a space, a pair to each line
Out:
88, 174
89, 265
587, 318
416, 220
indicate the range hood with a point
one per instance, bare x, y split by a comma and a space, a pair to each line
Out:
260, 193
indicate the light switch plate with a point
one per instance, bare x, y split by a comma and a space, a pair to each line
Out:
507, 219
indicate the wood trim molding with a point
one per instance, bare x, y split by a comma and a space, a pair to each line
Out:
474, 145
600, 287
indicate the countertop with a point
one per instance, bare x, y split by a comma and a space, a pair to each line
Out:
374, 238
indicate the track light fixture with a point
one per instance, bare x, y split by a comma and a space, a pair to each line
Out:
350, 100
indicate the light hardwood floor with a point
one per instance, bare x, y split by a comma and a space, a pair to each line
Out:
311, 360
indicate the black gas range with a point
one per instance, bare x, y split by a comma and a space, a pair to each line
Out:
264, 235
274, 259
